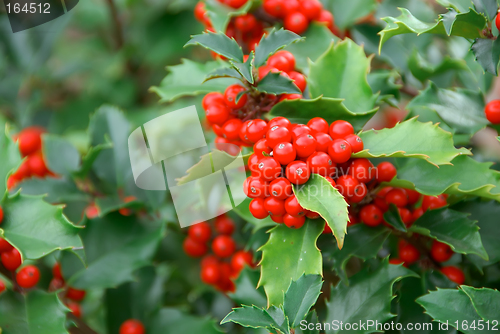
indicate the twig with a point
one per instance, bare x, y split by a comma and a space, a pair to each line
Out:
409, 91
117, 24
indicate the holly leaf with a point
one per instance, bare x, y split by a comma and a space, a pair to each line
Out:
287, 255
187, 79
60, 155
318, 195
89, 158
348, 12
37, 228
348, 61
363, 242
301, 111
488, 7
36, 312
485, 301
272, 42
411, 139
384, 83
461, 109
466, 24
172, 321
423, 70
465, 177
300, 297
246, 289
115, 246
57, 190
220, 14
275, 83
453, 228
367, 298
487, 53
10, 158
245, 69
393, 218
254, 317
219, 43
224, 72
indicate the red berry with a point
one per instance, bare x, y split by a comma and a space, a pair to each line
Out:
381, 204
360, 192
274, 206
212, 98
289, 57
56, 271
433, 202
284, 153
454, 274
199, 11
340, 129
1, 214
276, 8
398, 197
37, 165
225, 284
277, 135
327, 18
318, 124
356, 143
371, 215
235, 3
413, 196
11, 260
340, 151
231, 94
290, 97
299, 80
194, 248
75, 294
30, 140
210, 273
312, 215
269, 168
28, 277
217, 113
293, 207
311, 8
75, 308
245, 23
297, 172
281, 188
323, 140
243, 133
346, 185
241, 259
280, 122
396, 261
492, 109
385, 172
441, 252
305, 145
224, 225
223, 246
277, 219
296, 22
200, 232
256, 130
5, 246
497, 21
408, 253
320, 163
417, 213
253, 164
231, 129
362, 170
23, 171
293, 222
132, 326
332, 182
255, 187
280, 63
406, 216
261, 147
2, 286
257, 208
299, 129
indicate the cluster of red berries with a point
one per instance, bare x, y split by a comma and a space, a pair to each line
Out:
73, 296
236, 121
132, 326
492, 109
30, 146
226, 263
28, 276
288, 155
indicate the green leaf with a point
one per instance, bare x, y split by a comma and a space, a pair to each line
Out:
488, 7
348, 12
173, 321
423, 70
187, 79
301, 111
246, 289
450, 306
275, 83
224, 72
220, 43
460, 6
245, 69
90, 157
287, 255
393, 218
461, 109
36, 312
363, 242
253, 317
115, 247
60, 190
411, 139
279, 318
384, 82
10, 158
367, 298
487, 53
465, 177
485, 301
348, 61
300, 297
467, 24
220, 14
274, 41
37, 228
453, 228
318, 195
60, 155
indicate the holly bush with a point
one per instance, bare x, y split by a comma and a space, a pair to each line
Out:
369, 132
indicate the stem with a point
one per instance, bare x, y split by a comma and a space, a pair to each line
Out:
117, 24
81, 327
409, 91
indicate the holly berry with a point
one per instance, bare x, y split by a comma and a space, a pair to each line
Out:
371, 215
276, 8
217, 113
433, 202
454, 274
397, 197
323, 140
28, 277
417, 213
362, 170
231, 94
194, 248
293, 221
75, 308
293, 207
288, 56
5, 246
406, 216
299, 80
340, 151
245, 23
224, 225
255, 187
346, 185
2, 286
30, 140
296, 22
305, 145
340, 129
355, 142
360, 192
408, 253
11, 260
231, 129
413, 196
234, 4
327, 18
210, 273
385, 172
396, 261
492, 109
297, 172
441, 252
320, 163
261, 147
318, 124
284, 153
279, 121
274, 206
37, 165
223, 246
212, 98
277, 219
299, 129
241, 259
256, 130
277, 135
132, 326
257, 208
56, 271
497, 21
92, 211
281, 63
269, 168
75, 294
200, 232
311, 9
281, 188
